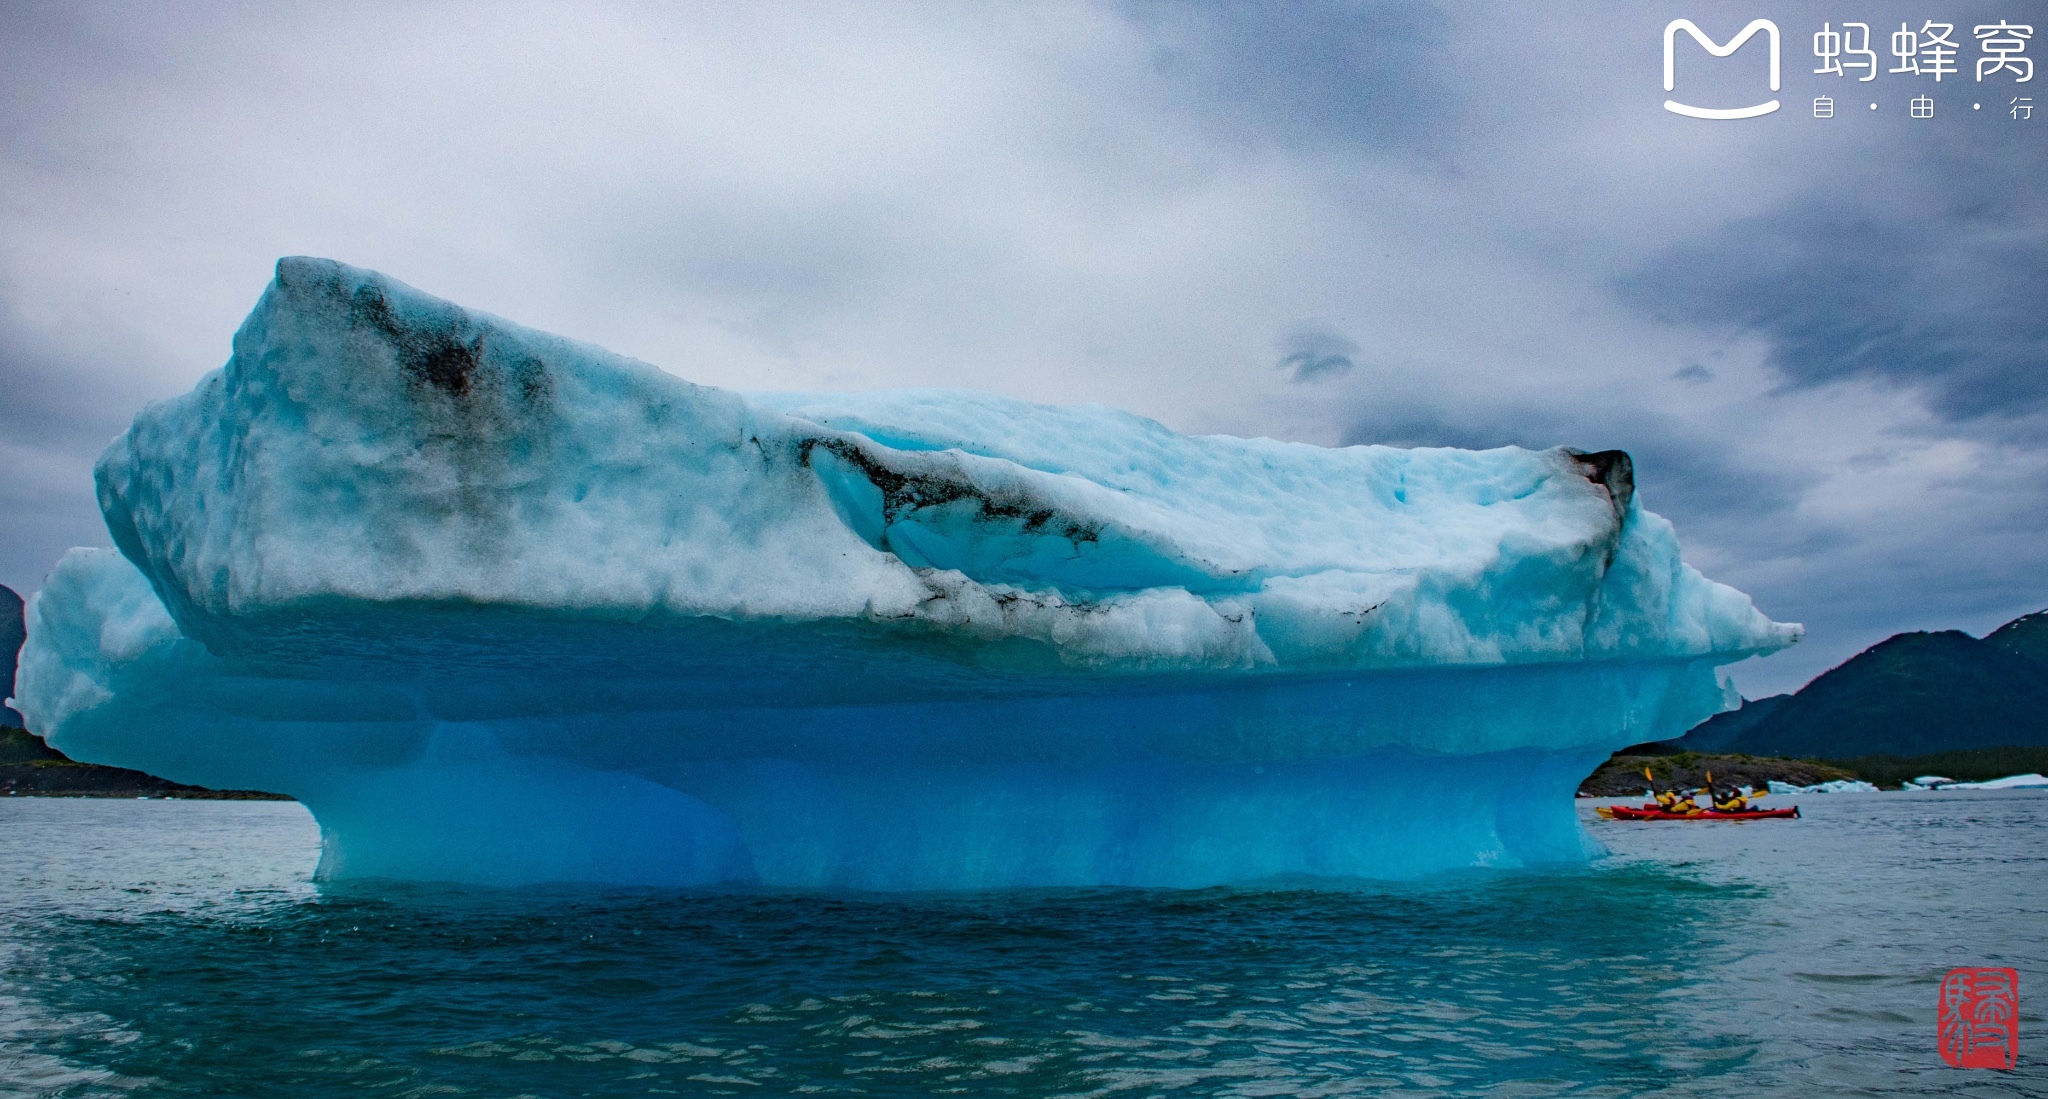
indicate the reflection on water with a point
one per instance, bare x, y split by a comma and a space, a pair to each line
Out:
179, 948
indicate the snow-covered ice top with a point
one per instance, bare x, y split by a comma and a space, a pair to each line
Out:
368, 445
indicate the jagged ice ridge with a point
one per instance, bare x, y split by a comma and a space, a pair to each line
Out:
502, 607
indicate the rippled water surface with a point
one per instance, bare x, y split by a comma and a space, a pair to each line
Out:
179, 948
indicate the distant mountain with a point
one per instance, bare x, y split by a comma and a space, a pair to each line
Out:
13, 631
2024, 636
1717, 733
1910, 694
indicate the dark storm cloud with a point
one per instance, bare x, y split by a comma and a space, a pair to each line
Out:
1938, 281
1711, 491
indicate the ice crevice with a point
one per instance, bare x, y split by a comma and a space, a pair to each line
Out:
502, 607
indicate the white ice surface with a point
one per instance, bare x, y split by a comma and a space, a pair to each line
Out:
2028, 781
1836, 786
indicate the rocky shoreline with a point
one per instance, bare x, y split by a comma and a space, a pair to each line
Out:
1622, 774
31, 768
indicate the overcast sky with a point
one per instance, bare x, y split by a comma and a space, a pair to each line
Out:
1824, 340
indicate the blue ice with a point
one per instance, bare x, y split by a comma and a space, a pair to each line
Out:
500, 607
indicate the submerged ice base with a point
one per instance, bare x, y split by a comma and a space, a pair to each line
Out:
503, 608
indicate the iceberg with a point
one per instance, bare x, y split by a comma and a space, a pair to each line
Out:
2032, 780
501, 607
1833, 786
2029, 781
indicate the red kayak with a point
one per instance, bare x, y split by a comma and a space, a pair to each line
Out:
1651, 812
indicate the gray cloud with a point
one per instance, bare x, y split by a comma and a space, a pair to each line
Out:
1939, 304
1934, 277
1310, 350
1318, 72
55, 419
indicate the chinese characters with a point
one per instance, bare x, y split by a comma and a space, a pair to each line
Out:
1831, 47
1928, 51
2005, 51
1977, 1018
1931, 50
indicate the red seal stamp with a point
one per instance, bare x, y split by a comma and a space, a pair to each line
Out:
1979, 1018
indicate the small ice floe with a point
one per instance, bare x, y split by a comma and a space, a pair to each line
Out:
1838, 786
2029, 780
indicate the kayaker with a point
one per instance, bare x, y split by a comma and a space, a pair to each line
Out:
1667, 800
1735, 802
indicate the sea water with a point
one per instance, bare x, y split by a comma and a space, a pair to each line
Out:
181, 948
